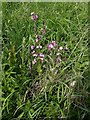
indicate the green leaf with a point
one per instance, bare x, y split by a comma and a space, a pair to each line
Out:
39, 70
21, 115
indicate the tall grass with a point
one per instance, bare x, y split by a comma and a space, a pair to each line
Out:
60, 91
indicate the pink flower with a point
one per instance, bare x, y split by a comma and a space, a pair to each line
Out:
34, 62
50, 46
33, 52
41, 55
32, 47
38, 38
54, 43
35, 55
34, 16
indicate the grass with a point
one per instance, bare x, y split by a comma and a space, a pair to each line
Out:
48, 90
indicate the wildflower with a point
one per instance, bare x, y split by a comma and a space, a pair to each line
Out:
33, 52
60, 48
34, 16
35, 55
58, 54
38, 38
41, 59
34, 62
32, 47
54, 43
50, 53
32, 13
39, 46
41, 55
73, 83
50, 46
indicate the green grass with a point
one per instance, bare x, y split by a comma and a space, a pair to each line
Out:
34, 95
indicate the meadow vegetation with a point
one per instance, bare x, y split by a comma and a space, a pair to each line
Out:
45, 61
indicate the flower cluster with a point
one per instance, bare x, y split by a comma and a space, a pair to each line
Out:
38, 38
34, 16
37, 56
36, 50
32, 47
52, 45
55, 49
